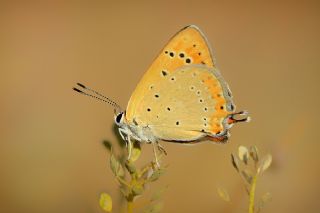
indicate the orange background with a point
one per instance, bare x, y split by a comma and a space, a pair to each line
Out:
51, 155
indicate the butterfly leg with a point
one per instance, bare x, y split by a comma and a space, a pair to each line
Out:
123, 134
127, 138
129, 146
154, 144
161, 148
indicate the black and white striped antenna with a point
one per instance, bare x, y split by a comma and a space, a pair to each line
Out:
84, 90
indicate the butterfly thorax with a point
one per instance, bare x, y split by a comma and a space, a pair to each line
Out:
142, 133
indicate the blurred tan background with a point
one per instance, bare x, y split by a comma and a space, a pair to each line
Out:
51, 155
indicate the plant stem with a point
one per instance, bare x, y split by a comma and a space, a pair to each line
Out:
252, 193
130, 206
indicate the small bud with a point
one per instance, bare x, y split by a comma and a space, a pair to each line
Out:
116, 166
265, 163
243, 154
223, 194
156, 174
105, 202
254, 153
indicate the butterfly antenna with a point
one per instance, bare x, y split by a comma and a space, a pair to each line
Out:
96, 95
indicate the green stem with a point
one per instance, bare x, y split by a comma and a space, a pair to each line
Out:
252, 193
130, 206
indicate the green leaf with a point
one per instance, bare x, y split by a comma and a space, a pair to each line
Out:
146, 171
154, 208
116, 166
124, 190
107, 144
235, 162
156, 175
254, 153
264, 200
105, 202
247, 176
158, 193
223, 193
265, 163
130, 167
137, 189
135, 151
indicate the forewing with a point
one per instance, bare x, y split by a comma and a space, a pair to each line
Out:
189, 46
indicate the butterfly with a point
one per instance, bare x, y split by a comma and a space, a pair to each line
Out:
182, 98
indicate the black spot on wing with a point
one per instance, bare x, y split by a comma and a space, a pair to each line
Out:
164, 73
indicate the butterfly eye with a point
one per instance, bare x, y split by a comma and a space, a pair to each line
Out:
119, 117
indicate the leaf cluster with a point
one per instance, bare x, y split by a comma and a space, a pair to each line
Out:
249, 165
132, 180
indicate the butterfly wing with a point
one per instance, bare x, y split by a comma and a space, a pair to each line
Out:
187, 105
188, 46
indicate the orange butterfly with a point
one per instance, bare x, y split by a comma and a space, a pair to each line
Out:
181, 98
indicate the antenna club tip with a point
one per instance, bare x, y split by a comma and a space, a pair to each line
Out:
77, 90
81, 85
